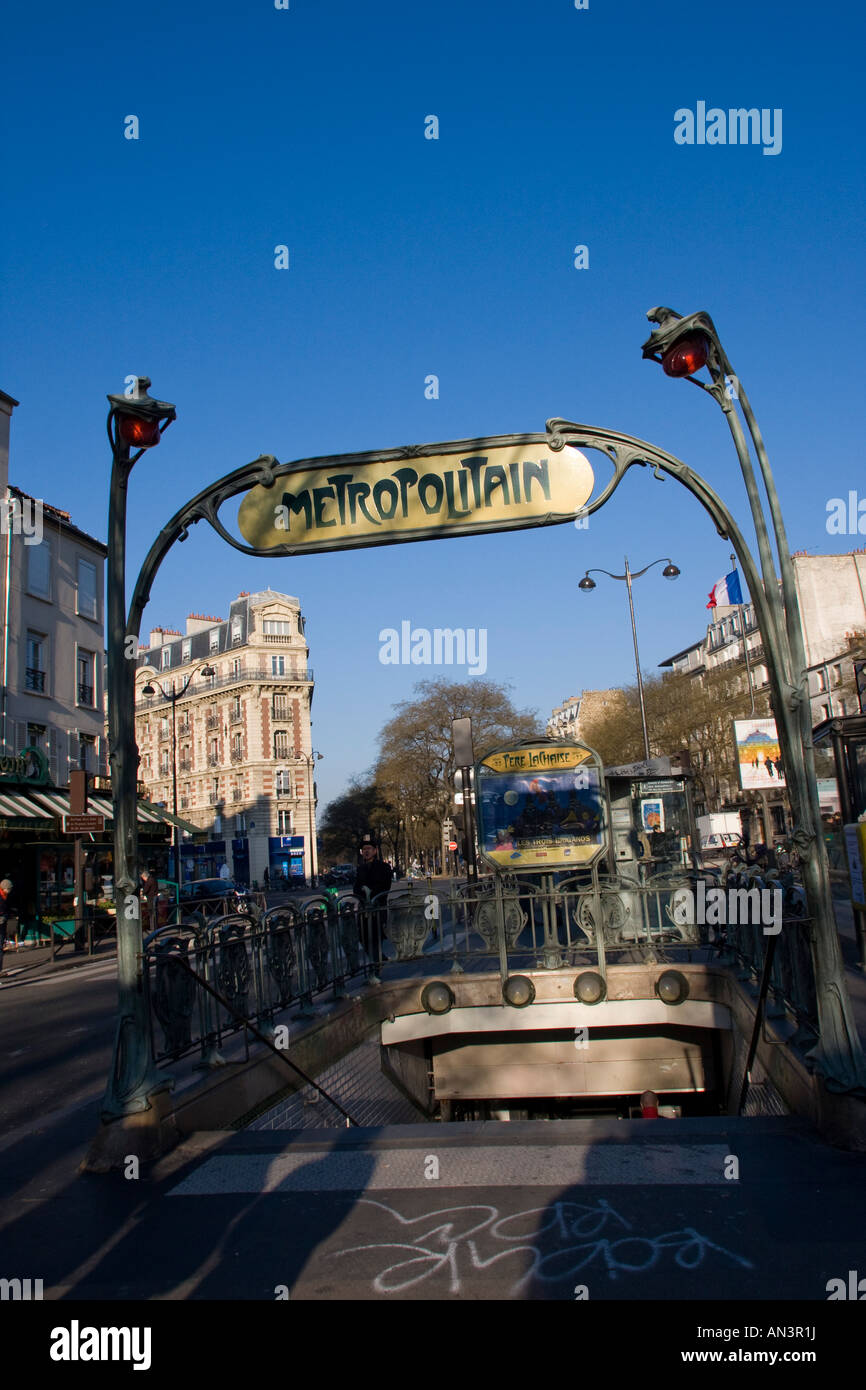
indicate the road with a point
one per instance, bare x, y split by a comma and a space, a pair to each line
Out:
56, 1036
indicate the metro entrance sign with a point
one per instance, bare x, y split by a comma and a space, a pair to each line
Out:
428, 492
422, 492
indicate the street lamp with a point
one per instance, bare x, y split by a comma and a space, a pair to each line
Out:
586, 584
683, 345
311, 759
135, 422
174, 695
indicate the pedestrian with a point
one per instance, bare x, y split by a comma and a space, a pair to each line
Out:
372, 878
267, 877
6, 912
149, 892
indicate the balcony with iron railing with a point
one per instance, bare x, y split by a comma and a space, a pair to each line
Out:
236, 755
35, 679
237, 794
184, 803
257, 675
85, 694
214, 799
184, 729
164, 733
185, 765
214, 760
236, 716
212, 721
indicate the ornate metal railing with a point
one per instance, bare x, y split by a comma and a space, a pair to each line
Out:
264, 962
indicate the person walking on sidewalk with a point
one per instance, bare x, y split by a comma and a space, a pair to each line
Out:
5, 912
372, 878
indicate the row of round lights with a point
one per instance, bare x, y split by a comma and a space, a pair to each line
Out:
671, 988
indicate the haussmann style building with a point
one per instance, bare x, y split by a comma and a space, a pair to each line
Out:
233, 748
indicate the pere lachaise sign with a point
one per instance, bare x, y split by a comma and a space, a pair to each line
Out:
423, 492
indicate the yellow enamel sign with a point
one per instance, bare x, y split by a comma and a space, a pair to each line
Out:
463, 488
540, 806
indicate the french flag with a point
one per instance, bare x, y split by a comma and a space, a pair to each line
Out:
726, 591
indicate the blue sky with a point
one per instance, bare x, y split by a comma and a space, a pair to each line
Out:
305, 127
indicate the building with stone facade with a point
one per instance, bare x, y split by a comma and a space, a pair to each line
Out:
831, 591
576, 714
234, 746
52, 622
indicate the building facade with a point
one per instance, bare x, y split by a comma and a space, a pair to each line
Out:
53, 622
576, 714
831, 591
233, 748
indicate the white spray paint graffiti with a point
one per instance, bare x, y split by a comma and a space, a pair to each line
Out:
452, 1245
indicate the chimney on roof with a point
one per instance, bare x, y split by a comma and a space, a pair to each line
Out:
157, 635
199, 622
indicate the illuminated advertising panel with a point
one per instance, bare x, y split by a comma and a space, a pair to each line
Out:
541, 806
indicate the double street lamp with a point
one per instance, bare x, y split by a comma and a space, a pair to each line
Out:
683, 346
173, 694
586, 585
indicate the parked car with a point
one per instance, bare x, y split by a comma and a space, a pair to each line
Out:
210, 893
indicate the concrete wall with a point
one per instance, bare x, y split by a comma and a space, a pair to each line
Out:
832, 595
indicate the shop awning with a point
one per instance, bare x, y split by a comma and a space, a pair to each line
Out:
20, 809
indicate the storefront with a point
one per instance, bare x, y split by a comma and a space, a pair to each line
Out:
40, 859
286, 858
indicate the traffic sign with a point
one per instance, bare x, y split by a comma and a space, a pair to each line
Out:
83, 825
452, 844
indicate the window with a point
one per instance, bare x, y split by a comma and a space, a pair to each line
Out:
237, 748
283, 783
39, 569
186, 651
281, 706
821, 682
235, 712
241, 823
237, 631
237, 666
36, 662
281, 744
278, 665
86, 589
164, 767
837, 675
284, 822
825, 711
214, 639
86, 685
36, 736
164, 729
87, 752
276, 629
213, 755
166, 657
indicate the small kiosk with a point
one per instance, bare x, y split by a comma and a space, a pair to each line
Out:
652, 814
846, 735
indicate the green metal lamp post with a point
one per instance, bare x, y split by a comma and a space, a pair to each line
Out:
135, 422
586, 585
173, 694
684, 345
